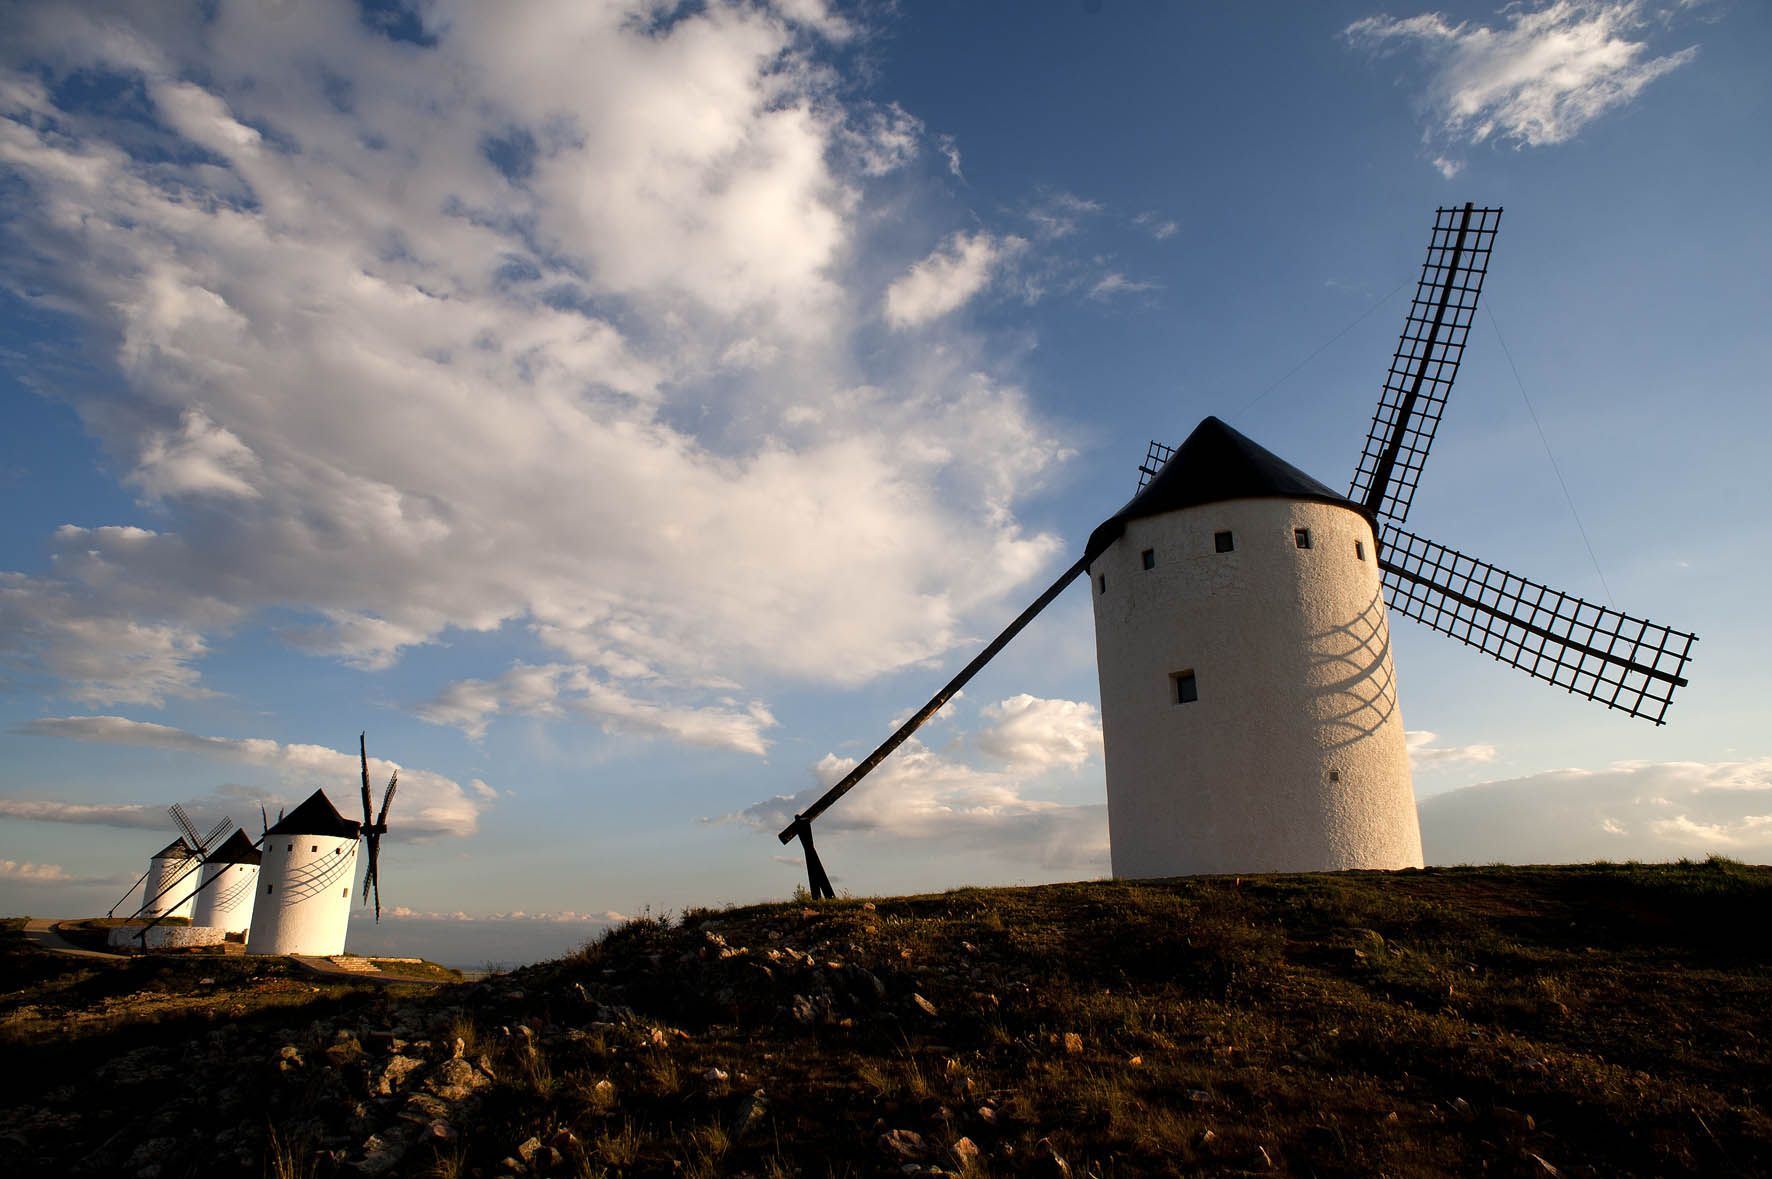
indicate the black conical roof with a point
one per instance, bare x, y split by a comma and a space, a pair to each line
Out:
1215, 464
316, 816
178, 849
237, 850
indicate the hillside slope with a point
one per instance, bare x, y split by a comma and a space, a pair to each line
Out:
1595, 1020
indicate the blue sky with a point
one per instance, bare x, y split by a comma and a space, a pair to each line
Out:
626, 413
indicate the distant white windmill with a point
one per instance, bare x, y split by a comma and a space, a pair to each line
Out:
172, 871
228, 886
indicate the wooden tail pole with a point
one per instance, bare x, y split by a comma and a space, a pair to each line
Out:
130, 893
801, 827
816, 881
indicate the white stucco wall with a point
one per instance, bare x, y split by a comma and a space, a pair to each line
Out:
227, 897
166, 937
1292, 758
168, 886
303, 899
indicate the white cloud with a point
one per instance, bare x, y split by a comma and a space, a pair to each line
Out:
1538, 79
950, 151
957, 270
100, 655
125, 814
28, 873
1155, 224
1633, 810
923, 796
1060, 214
549, 324
556, 688
1029, 733
1425, 753
426, 804
1114, 283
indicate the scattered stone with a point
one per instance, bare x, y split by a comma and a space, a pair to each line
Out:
603, 1094
903, 1144
527, 1151
965, 1153
1073, 1044
923, 1005
1461, 1107
750, 1112
393, 1074
456, 1080
1198, 1096
1207, 1137
1513, 1119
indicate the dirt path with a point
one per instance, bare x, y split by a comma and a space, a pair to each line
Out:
41, 932
327, 968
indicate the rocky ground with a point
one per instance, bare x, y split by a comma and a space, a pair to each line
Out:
1600, 1020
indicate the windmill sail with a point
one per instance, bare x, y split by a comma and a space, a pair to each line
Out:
1621, 661
1426, 361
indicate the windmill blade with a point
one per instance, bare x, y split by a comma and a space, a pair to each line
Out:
264, 821
387, 800
215, 833
363, 753
377, 878
185, 826
1626, 663
374, 847
801, 827
1426, 361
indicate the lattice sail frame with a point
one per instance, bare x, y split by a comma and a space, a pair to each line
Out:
1426, 360
1623, 662
1154, 460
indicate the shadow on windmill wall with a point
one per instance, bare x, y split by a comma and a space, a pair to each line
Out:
1350, 664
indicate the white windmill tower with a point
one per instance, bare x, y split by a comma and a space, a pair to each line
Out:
303, 896
228, 885
1249, 708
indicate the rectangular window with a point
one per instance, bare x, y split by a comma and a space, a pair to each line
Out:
269, 887
1101, 583
1222, 542
1186, 690
1335, 775
1149, 557
346, 892
1301, 537
314, 848
291, 847
1360, 549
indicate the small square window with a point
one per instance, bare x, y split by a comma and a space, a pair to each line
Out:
314, 848
1149, 557
1101, 583
1360, 549
1186, 690
1222, 542
1335, 775
291, 847
1301, 537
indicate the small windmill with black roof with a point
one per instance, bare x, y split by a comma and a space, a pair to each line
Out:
1249, 706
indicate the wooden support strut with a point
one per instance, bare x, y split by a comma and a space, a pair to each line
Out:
801, 827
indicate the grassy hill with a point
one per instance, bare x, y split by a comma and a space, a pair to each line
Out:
1593, 1020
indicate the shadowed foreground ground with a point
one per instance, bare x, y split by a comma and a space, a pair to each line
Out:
1595, 1020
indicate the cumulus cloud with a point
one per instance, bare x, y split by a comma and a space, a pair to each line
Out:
948, 278
1633, 810
938, 799
427, 804
28, 873
553, 689
1426, 753
510, 328
1026, 732
1536, 79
